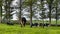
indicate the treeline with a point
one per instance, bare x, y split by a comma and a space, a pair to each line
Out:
45, 8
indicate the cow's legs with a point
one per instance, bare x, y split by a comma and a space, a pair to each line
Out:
24, 23
21, 23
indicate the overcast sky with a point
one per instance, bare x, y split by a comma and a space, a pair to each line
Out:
16, 3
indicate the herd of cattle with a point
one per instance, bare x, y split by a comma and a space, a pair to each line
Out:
23, 23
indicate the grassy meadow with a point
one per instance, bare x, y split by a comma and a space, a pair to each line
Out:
16, 29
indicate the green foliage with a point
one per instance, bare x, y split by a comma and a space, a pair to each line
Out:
29, 2
49, 1
1, 2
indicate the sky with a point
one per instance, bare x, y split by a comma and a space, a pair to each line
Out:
16, 3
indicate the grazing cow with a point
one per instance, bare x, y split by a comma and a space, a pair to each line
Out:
10, 23
46, 24
35, 24
58, 25
23, 21
55, 25
41, 24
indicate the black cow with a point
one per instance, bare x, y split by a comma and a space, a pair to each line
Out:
55, 25
34, 24
10, 23
23, 21
41, 24
46, 24
58, 25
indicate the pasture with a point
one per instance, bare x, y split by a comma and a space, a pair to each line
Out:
16, 29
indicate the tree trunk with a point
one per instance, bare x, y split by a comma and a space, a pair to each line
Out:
1, 15
42, 13
30, 16
6, 11
43, 18
0, 19
43, 22
20, 13
56, 16
9, 11
50, 14
31, 13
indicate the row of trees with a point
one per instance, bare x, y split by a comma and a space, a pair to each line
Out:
5, 10
52, 7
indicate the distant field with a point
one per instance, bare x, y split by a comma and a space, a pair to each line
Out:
47, 21
16, 29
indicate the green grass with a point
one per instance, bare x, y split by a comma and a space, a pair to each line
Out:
16, 29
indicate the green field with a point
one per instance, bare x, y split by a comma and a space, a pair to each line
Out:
16, 29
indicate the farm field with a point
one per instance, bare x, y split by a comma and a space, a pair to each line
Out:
16, 29
38, 16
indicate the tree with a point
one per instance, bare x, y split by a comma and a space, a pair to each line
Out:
42, 9
20, 13
1, 10
55, 9
30, 4
7, 9
50, 6
56, 6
